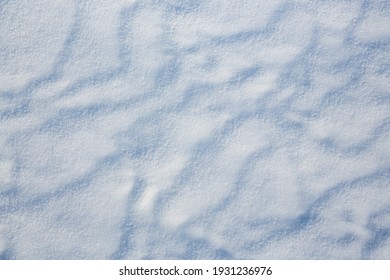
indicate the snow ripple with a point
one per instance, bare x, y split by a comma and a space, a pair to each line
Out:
164, 129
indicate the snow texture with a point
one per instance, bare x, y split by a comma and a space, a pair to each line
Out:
183, 129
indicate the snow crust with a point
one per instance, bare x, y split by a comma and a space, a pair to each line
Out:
181, 129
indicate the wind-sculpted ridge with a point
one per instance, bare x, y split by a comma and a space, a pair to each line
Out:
165, 129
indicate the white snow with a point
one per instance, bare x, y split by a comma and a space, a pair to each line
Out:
180, 129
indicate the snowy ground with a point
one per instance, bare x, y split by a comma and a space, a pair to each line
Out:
191, 129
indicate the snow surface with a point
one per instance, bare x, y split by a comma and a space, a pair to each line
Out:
211, 129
